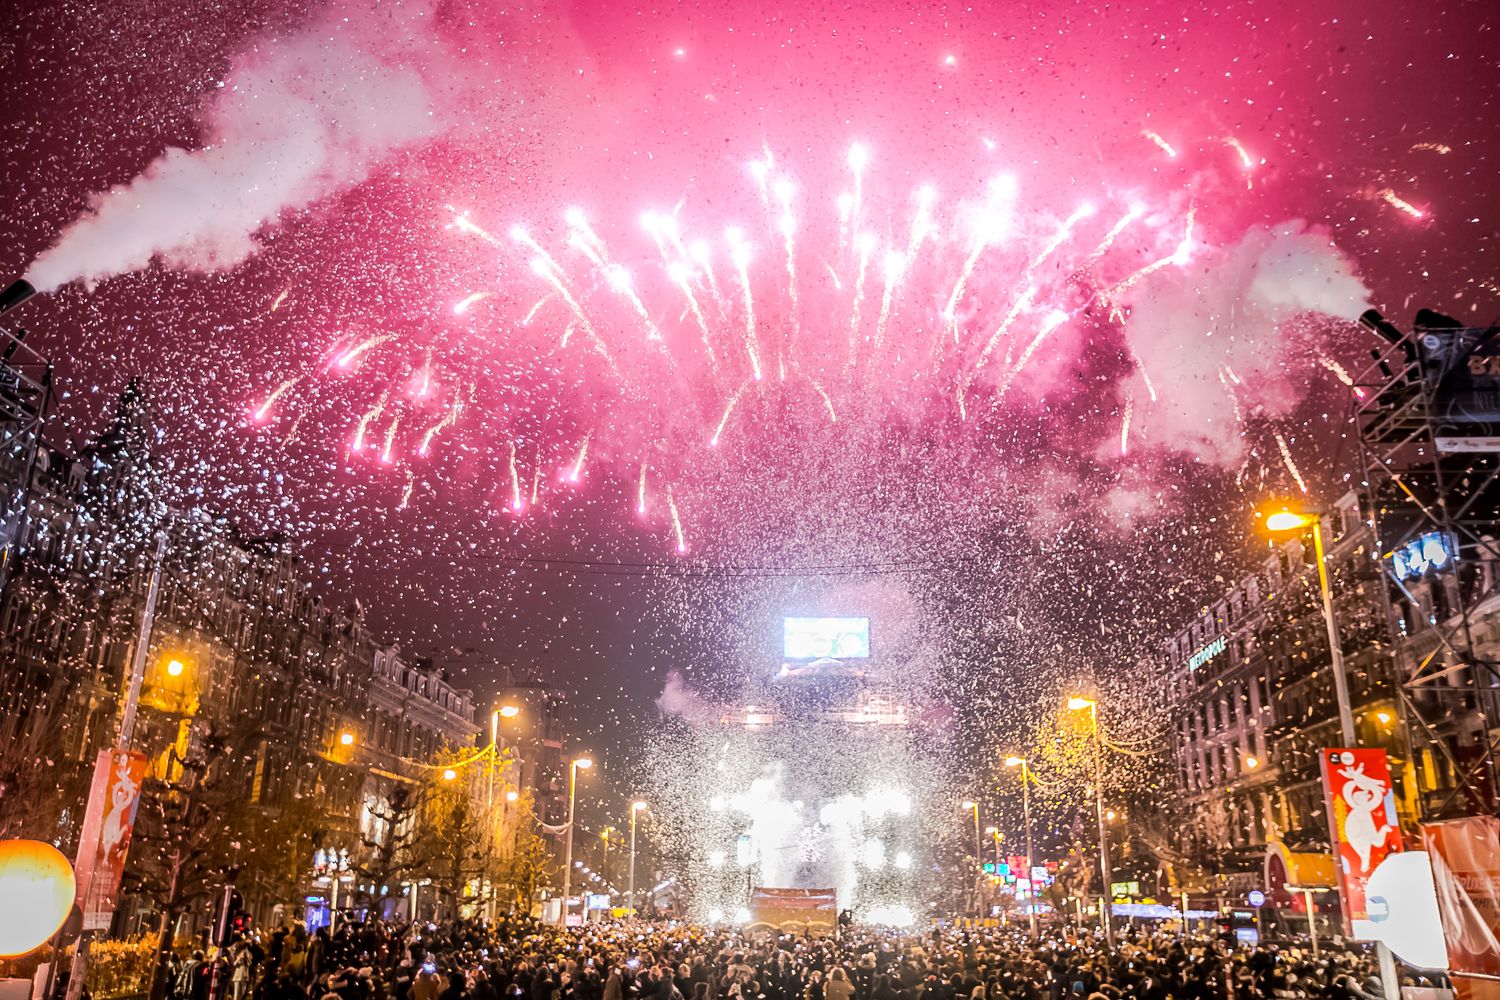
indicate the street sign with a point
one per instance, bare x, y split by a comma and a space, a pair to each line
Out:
1257, 898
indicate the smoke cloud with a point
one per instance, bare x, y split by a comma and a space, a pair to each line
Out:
297, 118
1214, 340
682, 701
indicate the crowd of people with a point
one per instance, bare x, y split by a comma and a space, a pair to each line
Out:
518, 959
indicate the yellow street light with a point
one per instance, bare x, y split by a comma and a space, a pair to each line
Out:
1014, 761
1077, 704
512, 795
637, 805
175, 667
1286, 520
346, 738
968, 804
509, 711
449, 774
992, 830
1384, 718
583, 763
1252, 762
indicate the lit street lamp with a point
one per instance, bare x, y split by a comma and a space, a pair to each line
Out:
1025, 766
573, 768
1106, 896
1287, 522
635, 808
973, 807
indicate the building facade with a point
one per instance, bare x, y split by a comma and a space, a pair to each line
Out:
1252, 700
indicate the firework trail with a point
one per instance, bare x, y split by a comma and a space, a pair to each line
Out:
281, 298
1246, 160
1161, 143
1399, 203
788, 225
463, 305
1234, 399
390, 440
1341, 374
734, 400
364, 423
676, 522
859, 158
463, 223
921, 222
264, 410
531, 313
1125, 425
1145, 375
1133, 213
583, 450
515, 482
347, 358
411, 482
988, 229
677, 271
866, 245
640, 492
1179, 257
545, 269
894, 263
1432, 147
1053, 320
1291, 466
702, 255
536, 477
740, 254
833, 416
448, 420
1019, 306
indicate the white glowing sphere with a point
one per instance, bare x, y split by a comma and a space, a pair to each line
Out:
539, 267
619, 278
716, 859
650, 221
716, 916
783, 189
859, 157
845, 203
37, 886
903, 860
866, 242
758, 169
787, 224
926, 195
519, 234
574, 216
1055, 319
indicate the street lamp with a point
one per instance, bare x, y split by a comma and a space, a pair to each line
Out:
175, 667
973, 807
449, 774
346, 738
1288, 522
573, 767
1106, 870
635, 808
509, 711
1026, 779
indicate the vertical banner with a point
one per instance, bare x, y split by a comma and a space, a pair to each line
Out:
1363, 825
1465, 856
114, 796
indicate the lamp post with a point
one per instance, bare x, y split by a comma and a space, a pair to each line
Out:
1106, 870
635, 808
1287, 522
993, 832
1025, 767
332, 864
573, 767
973, 806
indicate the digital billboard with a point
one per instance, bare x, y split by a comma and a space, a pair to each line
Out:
825, 638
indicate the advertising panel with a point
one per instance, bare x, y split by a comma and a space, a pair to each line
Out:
1465, 856
104, 840
825, 638
1362, 825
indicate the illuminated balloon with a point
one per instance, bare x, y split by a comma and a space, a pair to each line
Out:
36, 883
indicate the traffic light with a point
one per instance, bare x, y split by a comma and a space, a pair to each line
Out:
229, 916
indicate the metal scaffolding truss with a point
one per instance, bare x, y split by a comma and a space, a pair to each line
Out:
1432, 489
25, 398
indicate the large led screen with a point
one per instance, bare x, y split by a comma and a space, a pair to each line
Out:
825, 638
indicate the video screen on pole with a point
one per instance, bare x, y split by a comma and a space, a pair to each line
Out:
825, 638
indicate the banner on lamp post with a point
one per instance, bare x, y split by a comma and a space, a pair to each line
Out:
114, 795
1363, 826
1465, 856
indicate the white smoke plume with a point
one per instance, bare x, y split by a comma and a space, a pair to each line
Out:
682, 701
297, 118
1215, 344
